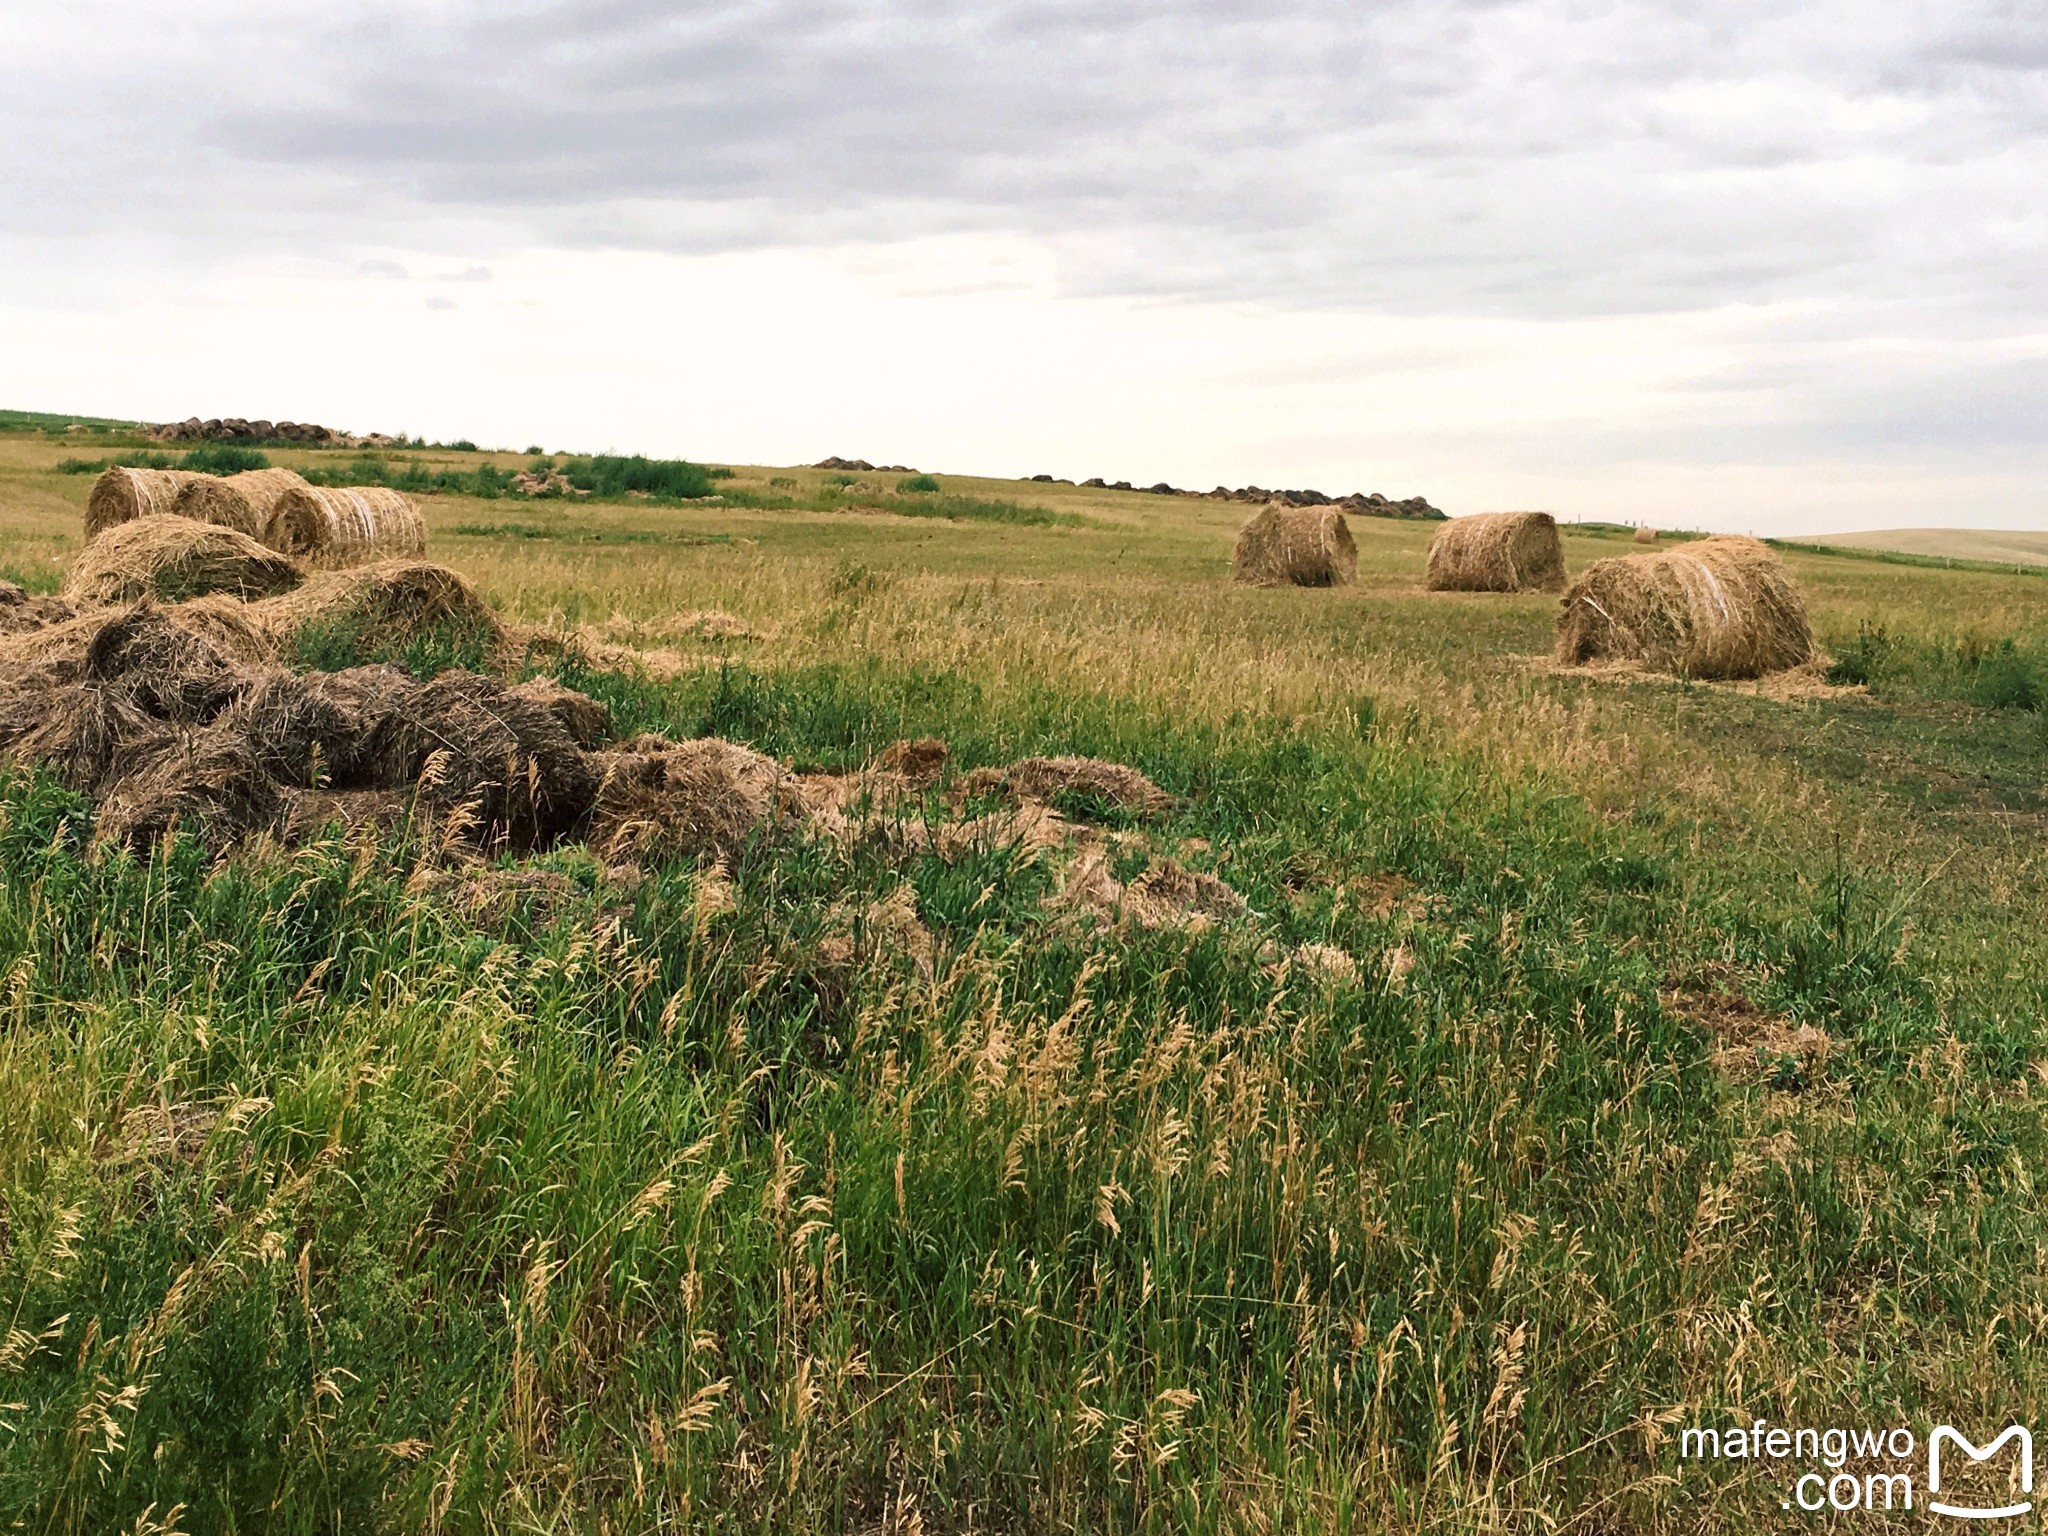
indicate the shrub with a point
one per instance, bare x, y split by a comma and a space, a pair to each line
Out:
614, 475
223, 459
916, 484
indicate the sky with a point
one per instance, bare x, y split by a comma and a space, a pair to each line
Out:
1755, 267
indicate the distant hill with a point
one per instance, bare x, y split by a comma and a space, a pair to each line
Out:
2005, 546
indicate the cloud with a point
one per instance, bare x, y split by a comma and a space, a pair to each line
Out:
1527, 157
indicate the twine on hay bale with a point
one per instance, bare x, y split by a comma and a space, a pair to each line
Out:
1497, 552
121, 495
173, 558
393, 602
344, 526
1295, 546
1715, 608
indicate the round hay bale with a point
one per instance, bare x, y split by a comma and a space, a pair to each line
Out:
479, 751
82, 733
205, 782
224, 623
394, 602
263, 489
1497, 552
1715, 608
1646, 535
1296, 546
121, 495
210, 499
588, 721
352, 525
301, 733
173, 558
169, 671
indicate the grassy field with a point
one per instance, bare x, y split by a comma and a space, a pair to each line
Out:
1693, 1073
1998, 546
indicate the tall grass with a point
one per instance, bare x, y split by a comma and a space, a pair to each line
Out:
327, 1208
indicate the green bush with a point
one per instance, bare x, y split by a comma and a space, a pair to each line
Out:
615, 475
2008, 680
916, 484
223, 459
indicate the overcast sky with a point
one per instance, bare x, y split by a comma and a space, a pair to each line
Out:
1776, 267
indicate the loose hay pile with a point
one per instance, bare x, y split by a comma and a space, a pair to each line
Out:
174, 558
1497, 552
1296, 546
395, 601
1715, 608
121, 495
353, 525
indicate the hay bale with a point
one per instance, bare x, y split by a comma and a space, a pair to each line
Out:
301, 732
82, 734
263, 489
210, 499
352, 525
1714, 608
1296, 546
173, 558
395, 602
476, 751
1497, 552
1646, 535
587, 720
169, 671
205, 782
121, 495
225, 623
658, 800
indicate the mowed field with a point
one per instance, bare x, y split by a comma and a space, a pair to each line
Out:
1692, 1070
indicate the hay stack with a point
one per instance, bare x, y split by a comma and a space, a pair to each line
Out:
1296, 546
122, 495
210, 499
341, 527
1722, 607
1646, 535
1497, 552
394, 602
173, 558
